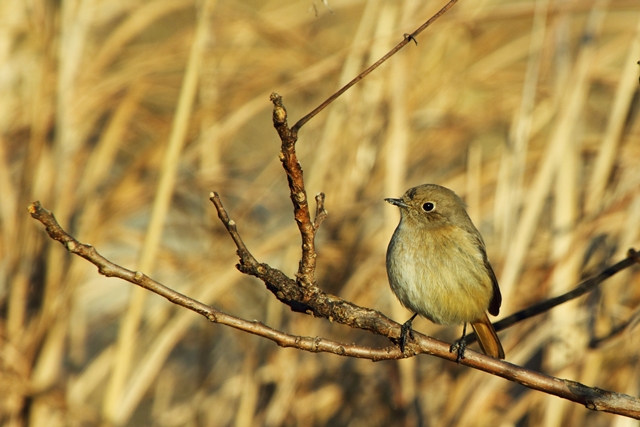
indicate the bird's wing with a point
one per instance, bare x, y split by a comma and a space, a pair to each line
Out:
496, 298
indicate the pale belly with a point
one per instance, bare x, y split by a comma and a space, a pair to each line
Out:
443, 281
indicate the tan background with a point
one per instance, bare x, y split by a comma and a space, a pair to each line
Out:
526, 109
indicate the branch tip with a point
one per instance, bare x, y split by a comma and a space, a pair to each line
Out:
245, 256
279, 112
321, 212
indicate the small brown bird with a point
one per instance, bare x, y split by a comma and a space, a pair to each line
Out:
438, 267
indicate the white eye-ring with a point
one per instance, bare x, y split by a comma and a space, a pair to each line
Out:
428, 207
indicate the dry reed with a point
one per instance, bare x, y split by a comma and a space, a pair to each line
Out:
122, 116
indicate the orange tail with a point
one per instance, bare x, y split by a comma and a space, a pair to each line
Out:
488, 338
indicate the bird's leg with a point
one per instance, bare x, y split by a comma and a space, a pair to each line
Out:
461, 345
406, 332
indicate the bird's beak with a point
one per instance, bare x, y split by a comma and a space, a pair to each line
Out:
397, 202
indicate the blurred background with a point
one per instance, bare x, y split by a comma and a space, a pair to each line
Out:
122, 116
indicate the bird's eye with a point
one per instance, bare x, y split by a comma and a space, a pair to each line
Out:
428, 207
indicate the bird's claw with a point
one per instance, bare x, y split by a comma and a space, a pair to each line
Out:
459, 347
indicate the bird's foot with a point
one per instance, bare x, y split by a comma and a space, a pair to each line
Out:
459, 347
406, 333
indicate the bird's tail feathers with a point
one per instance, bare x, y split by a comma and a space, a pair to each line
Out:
488, 338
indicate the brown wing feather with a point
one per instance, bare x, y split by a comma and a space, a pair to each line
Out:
496, 298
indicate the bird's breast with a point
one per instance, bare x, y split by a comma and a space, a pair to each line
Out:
439, 273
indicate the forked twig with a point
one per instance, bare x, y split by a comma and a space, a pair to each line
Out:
306, 270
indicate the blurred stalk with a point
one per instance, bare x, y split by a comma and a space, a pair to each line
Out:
572, 100
627, 86
128, 335
510, 190
76, 19
473, 179
396, 171
338, 117
569, 338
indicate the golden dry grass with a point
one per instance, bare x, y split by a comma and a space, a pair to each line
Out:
122, 116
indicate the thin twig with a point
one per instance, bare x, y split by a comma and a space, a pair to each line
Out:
544, 306
230, 225
407, 38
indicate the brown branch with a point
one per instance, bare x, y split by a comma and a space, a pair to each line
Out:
110, 269
407, 38
342, 311
243, 252
309, 299
289, 159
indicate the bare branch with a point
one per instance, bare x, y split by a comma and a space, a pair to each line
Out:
110, 269
407, 38
289, 159
592, 398
289, 136
243, 252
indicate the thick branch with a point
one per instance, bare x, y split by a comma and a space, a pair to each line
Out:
110, 269
592, 398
